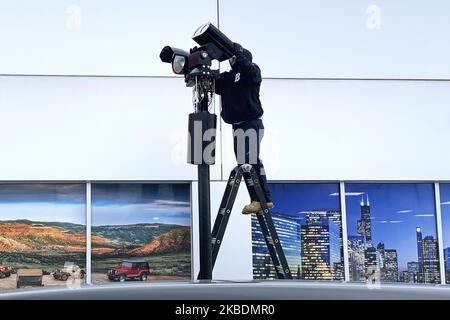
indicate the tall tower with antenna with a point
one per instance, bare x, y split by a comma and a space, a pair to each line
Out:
364, 224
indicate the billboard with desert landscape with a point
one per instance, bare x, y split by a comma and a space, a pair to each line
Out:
141, 232
42, 232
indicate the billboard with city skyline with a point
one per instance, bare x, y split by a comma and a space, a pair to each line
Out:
445, 209
307, 217
392, 232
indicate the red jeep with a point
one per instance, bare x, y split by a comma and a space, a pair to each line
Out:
129, 270
5, 271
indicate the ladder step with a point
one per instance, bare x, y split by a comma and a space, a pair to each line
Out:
272, 239
265, 220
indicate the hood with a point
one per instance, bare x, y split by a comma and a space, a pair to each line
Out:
247, 54
117, 268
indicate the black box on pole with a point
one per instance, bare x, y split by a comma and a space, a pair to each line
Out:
202, 138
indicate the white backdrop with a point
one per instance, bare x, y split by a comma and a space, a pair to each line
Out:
96, 128
289, 38
351, 38
96, 37
78, 128
234, 261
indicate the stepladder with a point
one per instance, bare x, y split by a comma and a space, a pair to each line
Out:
264, 218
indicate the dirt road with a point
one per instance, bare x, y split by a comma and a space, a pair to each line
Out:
47, 281
99, 278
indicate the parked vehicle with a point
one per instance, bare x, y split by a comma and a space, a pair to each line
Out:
29, 277
69, 270
5, 271
129, 270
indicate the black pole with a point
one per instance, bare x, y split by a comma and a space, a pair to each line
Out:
204, 216
201, 154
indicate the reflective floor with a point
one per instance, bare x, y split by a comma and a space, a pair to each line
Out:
265, 290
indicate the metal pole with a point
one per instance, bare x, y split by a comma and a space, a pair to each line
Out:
88, 233
344, 231
437, 196
204, 216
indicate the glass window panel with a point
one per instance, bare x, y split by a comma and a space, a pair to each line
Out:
141, 232
42, 235
445, 210
392, 232
307, 217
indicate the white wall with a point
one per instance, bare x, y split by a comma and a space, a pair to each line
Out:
356, 130
100, 37
78, 128
234, 261
351, 38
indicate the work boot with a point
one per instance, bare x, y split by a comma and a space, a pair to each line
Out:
255, 207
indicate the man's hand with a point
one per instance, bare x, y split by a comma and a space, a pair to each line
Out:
237, 48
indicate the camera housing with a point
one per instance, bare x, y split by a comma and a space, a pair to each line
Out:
218, 45
214, 45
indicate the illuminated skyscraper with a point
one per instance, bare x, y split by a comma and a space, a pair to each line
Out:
320, 243
413, 272
430, 260
380, 255
420, 253
370, 261
447, 264
447, 259
428, 256
356, 258
390, 269
288, 229
335, 216
338, 270
404, 276
364, 224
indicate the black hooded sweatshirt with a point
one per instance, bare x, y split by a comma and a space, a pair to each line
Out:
239, 89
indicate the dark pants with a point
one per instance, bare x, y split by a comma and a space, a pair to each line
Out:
247, 138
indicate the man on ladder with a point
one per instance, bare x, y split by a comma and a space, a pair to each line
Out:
241, 107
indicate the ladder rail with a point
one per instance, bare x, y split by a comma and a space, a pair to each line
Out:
268, 222
270, 246
218, 235
223, 203
224, 212
264, 219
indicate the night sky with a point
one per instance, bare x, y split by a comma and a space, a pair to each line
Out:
445, 210
296, 198
396, 211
